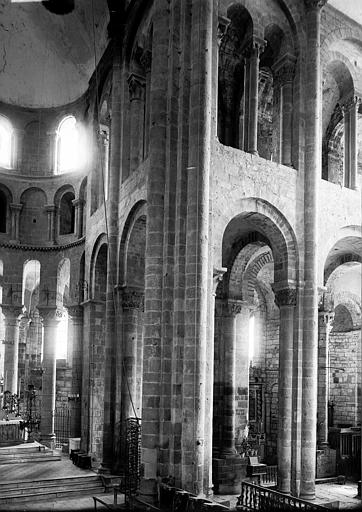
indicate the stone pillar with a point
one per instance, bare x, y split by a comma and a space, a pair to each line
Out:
12, 316
242, 368
284, 74
312, 174
75, 339
136, 85
78, 216
347, 146
229, 328
197, 247
15, 210
111, 334
353, 107
51, 317
256, 47
51, 212
244, 143
146, 61
132, 305
325, 323
285, 298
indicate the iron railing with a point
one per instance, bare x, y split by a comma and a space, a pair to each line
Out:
263, 499
62, 425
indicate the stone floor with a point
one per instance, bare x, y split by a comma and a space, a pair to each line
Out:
344, 494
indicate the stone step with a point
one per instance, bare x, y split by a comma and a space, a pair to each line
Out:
46, 488
61, 481
50, 495
27, 458
23, 449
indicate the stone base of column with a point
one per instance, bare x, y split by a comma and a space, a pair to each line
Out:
148, 490
48, 440
227, 474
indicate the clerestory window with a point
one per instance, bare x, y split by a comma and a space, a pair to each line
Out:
6, 142
68, 146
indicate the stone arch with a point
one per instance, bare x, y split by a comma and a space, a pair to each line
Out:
98, 268
136, 214
251, 274
5, 201
352, 33
269, 225
63, 200
345, 250
33, 217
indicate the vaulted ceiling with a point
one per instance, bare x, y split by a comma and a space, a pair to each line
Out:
46, 59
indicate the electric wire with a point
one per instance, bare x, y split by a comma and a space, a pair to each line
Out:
124, 377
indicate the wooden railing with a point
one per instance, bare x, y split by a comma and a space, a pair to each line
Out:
173, 499
269, 478
255, 497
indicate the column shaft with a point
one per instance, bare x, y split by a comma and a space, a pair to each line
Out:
197, 247
51, 318
354, 142
75, 338
229, 330
137, 116
324, 327
312, 174
12, 316
286, 299
255, 49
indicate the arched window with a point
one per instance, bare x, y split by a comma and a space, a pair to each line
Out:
66, 222
68, 146
3, 211
6, 139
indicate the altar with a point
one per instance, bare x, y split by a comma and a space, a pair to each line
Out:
10, 432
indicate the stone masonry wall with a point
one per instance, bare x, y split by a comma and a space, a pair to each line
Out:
345, 376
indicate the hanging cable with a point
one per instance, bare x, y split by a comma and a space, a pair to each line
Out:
124, 377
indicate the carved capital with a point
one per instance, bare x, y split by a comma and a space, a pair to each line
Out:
12, 312
146, 60
254, 47
286, 297
136, 84
75, 311
132, 299
315, 4
16, 208
325, 300
50, 315
222, 27
234, 307
284, 69
325, 319
217, 276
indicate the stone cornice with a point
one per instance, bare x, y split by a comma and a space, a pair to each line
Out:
41, 248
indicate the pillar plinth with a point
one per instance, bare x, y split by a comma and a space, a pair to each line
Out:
51, 317
286, 300
312, 173
12, 316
